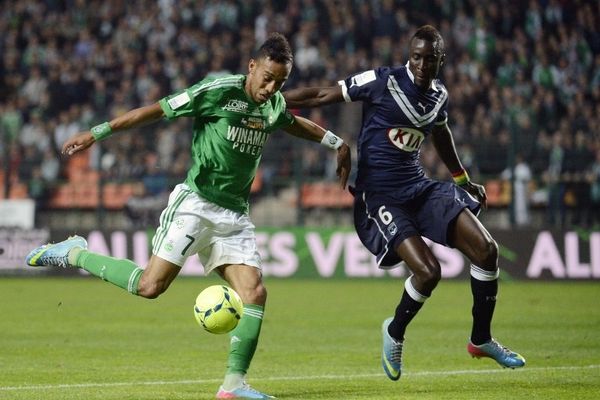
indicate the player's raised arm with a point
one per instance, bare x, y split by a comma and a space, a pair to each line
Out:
313, 96
306, 129
135, 118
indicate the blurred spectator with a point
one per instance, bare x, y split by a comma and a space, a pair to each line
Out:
594, 178
66, 128
522, 178
11, 120
519, 69
34, 86
50, 167
33, 133
37, 187
554, 180
580, 164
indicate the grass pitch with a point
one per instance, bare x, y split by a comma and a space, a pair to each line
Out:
85, 339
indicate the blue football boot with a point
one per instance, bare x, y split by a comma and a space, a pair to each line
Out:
55, 254
391, 357
503, 355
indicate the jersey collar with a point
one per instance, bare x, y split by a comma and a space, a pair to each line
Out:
412, 78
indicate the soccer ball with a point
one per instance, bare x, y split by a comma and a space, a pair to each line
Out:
218, 309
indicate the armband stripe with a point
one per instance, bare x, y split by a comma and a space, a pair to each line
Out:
101, 131
461, 177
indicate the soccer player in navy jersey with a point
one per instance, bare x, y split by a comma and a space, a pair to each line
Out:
396, 204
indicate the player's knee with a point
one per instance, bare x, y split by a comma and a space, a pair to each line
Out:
428, 275
488, 256
254, 295
433, 274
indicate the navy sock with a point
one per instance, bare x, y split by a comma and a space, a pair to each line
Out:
409, 306
484, 302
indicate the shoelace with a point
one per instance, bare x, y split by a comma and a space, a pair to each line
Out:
250, 389
396, 353
56, 260
247, 387
499, 348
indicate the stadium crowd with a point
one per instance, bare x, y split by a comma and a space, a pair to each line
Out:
525, 83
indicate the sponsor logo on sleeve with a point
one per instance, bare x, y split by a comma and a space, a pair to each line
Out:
363, 78
179, 101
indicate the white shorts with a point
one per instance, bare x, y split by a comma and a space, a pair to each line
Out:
193, 225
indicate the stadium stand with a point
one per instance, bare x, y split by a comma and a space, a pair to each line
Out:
524, 79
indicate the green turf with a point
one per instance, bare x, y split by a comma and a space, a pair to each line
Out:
86, 339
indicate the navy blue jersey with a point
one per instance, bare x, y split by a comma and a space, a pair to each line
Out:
397, 117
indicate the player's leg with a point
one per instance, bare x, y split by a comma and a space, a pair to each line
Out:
171, 247
149, 282
426, 273
126, 274
229, 248
469, 236
385, 224
247, 282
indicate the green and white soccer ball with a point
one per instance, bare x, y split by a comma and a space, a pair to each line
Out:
218, 309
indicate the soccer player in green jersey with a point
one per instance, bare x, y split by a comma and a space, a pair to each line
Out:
207, 215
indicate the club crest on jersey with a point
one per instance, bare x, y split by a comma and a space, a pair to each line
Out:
407, 139
236, 105
392, 228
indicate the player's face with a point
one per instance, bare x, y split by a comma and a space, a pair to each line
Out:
265, 78
424, 62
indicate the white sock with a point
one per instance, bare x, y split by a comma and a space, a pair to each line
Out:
233, 381
73, 254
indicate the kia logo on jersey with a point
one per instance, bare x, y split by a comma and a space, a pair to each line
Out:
406, 139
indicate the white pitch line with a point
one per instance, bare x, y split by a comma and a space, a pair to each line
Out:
295, 378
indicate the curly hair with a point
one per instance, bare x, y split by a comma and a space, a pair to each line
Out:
277, 48
429, 34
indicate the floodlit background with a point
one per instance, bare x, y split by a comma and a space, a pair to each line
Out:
523, 78
524, 85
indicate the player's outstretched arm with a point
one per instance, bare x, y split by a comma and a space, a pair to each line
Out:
132, 119
306, 129
313, 96
444, 145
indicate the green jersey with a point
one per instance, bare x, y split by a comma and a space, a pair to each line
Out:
230, 130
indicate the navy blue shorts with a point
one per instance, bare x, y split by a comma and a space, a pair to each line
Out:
384, 219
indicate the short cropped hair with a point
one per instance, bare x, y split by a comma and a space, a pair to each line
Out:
276, 48
429, 34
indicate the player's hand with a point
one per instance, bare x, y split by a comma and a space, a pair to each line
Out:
478, 191
77, 143
344, 162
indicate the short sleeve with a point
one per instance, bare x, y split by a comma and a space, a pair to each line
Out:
180, 104
364, 86
284, 116
190, 102
442, 115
